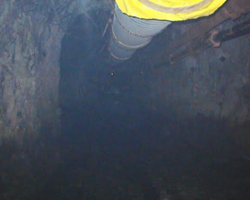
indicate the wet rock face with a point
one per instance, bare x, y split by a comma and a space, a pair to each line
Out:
87, 5
214, 84
30, 43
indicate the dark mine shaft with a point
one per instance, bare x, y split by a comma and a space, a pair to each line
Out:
101, 103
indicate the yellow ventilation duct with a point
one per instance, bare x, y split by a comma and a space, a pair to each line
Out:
136, 22
171, 10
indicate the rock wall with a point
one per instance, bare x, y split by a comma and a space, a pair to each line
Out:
215, 83
30, 43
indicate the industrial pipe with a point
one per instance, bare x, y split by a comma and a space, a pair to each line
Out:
212, 39
136, 22
130, 34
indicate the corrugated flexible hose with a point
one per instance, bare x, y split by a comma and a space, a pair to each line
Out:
130, 34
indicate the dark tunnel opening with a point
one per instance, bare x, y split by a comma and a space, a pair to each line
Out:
114, 147
170, 123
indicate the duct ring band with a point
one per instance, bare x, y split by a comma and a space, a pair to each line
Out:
124, 46
142, 36
118, 58
164, 9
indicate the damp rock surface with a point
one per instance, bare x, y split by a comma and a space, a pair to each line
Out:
125, 132
30, 44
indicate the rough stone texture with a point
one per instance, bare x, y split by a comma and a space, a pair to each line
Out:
30, 39
87, 5
30, 44
214, 84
